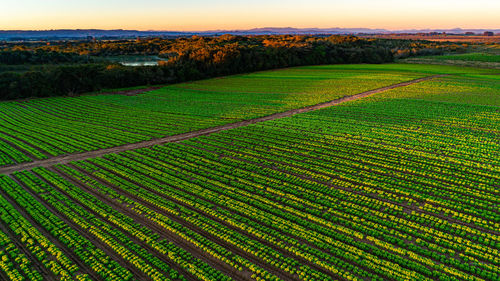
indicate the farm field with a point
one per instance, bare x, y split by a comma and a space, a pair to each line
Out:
400, 185
489, 58
471, 57
42, 128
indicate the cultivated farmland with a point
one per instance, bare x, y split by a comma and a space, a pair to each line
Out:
482, 59
402, 184
41, 128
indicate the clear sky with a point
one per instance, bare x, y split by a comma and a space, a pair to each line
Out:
239, 14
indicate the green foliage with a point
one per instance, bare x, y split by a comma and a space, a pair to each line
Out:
470, 57
183, 59
401, 185
471, 89
85, 123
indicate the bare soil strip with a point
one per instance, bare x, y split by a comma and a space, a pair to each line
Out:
63, 159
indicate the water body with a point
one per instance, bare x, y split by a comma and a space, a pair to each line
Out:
135, 60
139, 63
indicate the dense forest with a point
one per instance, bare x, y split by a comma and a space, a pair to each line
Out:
65, 68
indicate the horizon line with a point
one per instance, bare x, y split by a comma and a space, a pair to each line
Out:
253, 28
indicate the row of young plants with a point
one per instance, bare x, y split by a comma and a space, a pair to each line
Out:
60, 137
82, 248
265, 177
414, 162
146, 123
217, 192
100, 230
22, 146
147, 170
39, 246
419, 181
204, 208
122, 227
456, 202
10, 155
479, 179
36, 129
14, 264
461, 130
62, 125
419, 217
206, 233
161, 219
214, 185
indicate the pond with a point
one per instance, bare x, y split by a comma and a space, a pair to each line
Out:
135, 60
139, 63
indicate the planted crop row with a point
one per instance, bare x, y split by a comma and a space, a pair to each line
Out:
82, 248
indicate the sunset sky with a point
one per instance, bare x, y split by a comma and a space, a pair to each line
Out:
237, 14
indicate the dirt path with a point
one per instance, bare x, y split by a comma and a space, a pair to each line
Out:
97, 153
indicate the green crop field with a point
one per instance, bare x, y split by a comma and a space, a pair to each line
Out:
470, 57
403, 184
41, 128
488, 57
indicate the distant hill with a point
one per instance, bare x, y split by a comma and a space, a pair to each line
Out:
60, 34
82, 33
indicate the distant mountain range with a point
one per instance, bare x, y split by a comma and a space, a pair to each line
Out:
120, 33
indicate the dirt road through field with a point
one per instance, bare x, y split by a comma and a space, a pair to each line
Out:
175, 138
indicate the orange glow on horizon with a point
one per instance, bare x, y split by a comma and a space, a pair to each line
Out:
198, 16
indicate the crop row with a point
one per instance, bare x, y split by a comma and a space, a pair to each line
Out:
82, 248
42, 128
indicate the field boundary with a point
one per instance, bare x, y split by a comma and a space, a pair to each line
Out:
63, 159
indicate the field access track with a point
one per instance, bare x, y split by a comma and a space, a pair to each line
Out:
63, 159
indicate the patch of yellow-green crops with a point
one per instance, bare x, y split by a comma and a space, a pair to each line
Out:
401, 185
41, 128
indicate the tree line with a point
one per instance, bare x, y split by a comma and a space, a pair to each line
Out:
75, 68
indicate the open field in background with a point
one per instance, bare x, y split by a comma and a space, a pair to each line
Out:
442, 38
480, 56
41, 128
470, 57
467, 89
401, 185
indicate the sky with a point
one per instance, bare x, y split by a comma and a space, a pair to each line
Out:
198, 15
